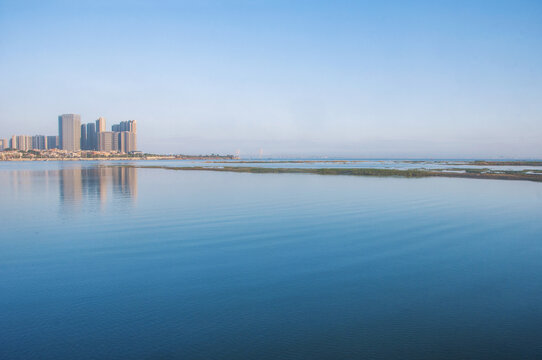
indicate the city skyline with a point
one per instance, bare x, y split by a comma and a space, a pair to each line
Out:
75, 137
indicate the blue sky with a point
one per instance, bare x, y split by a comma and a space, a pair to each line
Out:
302, 78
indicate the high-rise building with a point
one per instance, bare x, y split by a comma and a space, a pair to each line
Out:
39, 142
21, 142
126, 134
24, 142
129, 125
13, 142
116, 142
52, 142
69, 132
91, 136
108, 141
127, 142
4, 144
84, 137
100, 125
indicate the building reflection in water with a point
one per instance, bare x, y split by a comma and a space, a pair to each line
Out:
92, 185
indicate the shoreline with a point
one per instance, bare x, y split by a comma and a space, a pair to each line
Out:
233, 160
411, 173
147, 158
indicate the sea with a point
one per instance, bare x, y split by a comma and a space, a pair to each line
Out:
105, 260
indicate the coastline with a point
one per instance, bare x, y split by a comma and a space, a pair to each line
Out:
235, 160
121, 158
411, 173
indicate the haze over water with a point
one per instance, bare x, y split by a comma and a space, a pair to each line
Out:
110, 263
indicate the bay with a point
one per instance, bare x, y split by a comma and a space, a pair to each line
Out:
119, 262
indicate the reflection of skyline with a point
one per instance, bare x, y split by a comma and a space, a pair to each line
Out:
88, 188
92, 185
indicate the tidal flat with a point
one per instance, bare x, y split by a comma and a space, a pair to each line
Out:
469, 173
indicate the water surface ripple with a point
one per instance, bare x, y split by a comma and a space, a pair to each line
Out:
116, 263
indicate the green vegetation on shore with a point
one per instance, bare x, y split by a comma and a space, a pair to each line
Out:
411, 173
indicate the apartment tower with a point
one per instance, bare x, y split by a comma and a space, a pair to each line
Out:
84, 145
52, 142
91, 136
69, 132
100, 125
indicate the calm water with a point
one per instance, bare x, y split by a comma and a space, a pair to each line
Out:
116, 263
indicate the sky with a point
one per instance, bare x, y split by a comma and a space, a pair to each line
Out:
366, 79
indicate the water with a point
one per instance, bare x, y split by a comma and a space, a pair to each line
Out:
455, 165
315, 164
116, 263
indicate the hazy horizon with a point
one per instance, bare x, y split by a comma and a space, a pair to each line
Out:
457, 79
